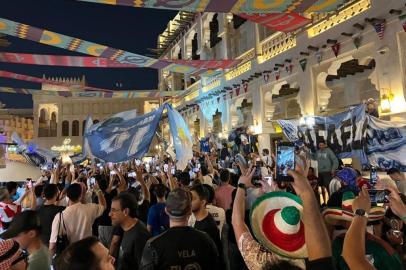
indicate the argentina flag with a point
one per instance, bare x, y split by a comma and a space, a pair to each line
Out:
123, 136
182, 139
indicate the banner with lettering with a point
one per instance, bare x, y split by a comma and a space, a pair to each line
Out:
386, 144
353, 133
284, 22
344, 132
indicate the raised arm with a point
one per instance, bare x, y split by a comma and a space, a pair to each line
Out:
317, 238
238, 216
354, 241
144, 188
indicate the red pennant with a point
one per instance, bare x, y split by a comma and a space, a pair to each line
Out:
237, 91
245, 87
277, 74
266, 77
336, 48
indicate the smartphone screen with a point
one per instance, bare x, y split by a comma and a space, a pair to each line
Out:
373, 177
138, 162
157, 168
112, 172
285, 161
378, 195
173, 171
92, 181
165, 167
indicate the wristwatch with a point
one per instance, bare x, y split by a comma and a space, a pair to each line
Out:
361, 213
242, 185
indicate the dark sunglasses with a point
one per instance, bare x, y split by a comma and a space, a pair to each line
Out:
23, 256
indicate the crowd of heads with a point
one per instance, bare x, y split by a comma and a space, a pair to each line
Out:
125, 204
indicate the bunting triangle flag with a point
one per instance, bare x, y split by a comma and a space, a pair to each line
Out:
277, 74
303, 63
245, 87
237, 91
319, 57
218, 99
357, 41
231, 94
336, 48
402, 20
380, 29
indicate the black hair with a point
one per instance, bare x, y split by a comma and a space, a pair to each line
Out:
38, 189
225, 175
50, 190
266, 151
128, 200
102, 182
204, 170
184, 178
74, 192
201, 191
79, 256
392, 171
210, 193
160, 190
11, 186
322, 141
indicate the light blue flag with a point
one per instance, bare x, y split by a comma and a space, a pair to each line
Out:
182, 139
123, 136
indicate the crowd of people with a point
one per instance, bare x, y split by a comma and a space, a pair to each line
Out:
215, 214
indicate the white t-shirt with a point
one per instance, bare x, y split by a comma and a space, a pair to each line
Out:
78, 219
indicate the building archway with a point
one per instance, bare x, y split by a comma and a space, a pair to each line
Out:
75, 128
43, 123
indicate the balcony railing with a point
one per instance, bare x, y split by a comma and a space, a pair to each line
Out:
276, 44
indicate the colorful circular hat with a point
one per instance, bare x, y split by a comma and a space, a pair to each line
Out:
334, 215
276, 224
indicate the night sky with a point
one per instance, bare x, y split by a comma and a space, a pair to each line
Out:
127, 28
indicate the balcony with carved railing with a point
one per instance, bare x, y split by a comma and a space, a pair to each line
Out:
276, 44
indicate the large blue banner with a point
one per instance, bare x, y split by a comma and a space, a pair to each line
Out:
344, 132
386, 144
124, 136
353, 133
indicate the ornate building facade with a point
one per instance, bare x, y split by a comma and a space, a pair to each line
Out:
338, 60
57, 118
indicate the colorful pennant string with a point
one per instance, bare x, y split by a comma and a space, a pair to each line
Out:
234, 6
43, 36
115, 94
278, 21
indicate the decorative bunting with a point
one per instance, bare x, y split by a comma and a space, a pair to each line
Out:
233, 6
230, 93
303, 63
266, 77
402, 20
43, 36
245, 85
93, 94
277, 74
336, 48
284, 22
319, 56
357, 41
379, 28
237, 91
289, 68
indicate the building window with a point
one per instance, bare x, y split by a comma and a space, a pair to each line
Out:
195, 56
83, 127
53, 125
43, 127
214, 31
75, 128
238, 21
65, 128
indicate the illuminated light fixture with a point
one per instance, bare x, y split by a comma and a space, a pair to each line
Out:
229, 17
66, 150
215, 83
386, 99
342, 16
